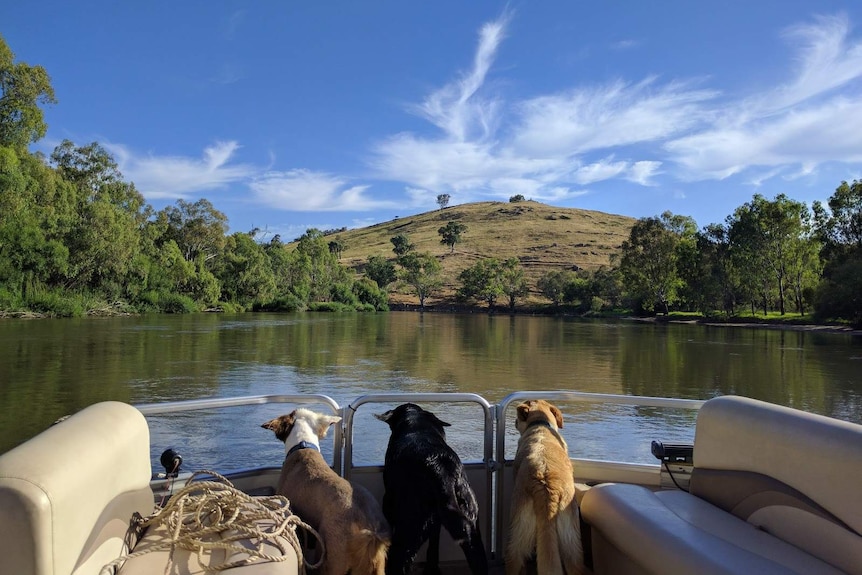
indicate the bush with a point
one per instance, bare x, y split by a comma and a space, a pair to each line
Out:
57, 305
331, 306
368, 293
517, 198
177, 303
287, 303
9, 300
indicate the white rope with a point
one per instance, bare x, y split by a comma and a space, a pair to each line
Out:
197, 516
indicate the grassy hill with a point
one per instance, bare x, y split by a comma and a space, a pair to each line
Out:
542, 237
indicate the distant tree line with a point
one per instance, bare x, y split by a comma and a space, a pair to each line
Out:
76, 237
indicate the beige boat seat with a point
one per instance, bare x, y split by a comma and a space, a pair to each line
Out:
68, 495
774, 490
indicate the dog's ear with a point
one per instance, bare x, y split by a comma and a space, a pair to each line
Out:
384, 417
522, 411
324, 422
438, 420
558, 415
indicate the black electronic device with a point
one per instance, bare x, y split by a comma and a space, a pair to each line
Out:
679, 453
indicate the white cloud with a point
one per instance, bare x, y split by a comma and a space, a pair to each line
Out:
174, 177
643, 172
815, 117
304, 190
608, 116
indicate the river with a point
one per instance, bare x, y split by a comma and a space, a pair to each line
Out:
50, 368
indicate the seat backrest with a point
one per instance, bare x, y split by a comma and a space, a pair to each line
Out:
793, 474
67, 495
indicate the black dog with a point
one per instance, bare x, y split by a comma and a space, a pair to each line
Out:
426, 488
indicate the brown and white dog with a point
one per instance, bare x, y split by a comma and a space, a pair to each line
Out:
355, 534
544, 513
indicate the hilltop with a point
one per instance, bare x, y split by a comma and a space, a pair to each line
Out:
544, 238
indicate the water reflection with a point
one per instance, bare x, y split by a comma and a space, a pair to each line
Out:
52, 368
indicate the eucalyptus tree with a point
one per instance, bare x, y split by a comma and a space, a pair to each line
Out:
245, 271
552, 285
442, 200
648, 263
771, 237
109, 215
482, 281
450, 234
317, 267
840, 229
401, 245
23, 88
198, 228
381, 271
512, 281
421, 271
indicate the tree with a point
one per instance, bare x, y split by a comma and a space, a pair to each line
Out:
648, 263
198, 228
442, 200
450, 234
244, 271
337, 247
512, 280
22, 89
482, 281
770, 235
517, 198
422, 272
552, 285
401, 245
381, 270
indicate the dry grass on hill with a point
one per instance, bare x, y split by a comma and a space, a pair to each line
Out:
542, 237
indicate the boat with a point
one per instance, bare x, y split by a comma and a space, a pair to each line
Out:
762, 489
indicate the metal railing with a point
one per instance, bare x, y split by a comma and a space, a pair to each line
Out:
222, 402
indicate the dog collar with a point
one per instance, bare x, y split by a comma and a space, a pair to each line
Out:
541, 422
301, 445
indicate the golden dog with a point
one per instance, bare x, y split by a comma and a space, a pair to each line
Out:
355, 534
544, 513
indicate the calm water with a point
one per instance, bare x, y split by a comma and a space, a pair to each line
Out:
49, 368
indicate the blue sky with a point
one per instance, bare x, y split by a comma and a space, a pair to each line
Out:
288, 115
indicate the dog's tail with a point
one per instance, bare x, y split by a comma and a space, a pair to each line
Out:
568, 526
368, 549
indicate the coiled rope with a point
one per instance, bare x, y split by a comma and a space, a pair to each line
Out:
197, 516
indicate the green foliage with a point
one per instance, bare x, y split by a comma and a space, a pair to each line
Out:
648, 263
288, 303
55, 304
839, 295
22, 89
450, 234
381, 271
421, 272
331, 306
442, 200
244, 270
512, 281
368, 293
401, 245
482, 281
552, 285
517, 198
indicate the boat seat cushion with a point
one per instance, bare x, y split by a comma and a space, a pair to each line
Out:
68, 497
674, 532
771, 485
184, 562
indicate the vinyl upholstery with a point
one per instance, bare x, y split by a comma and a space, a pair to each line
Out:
774, 490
